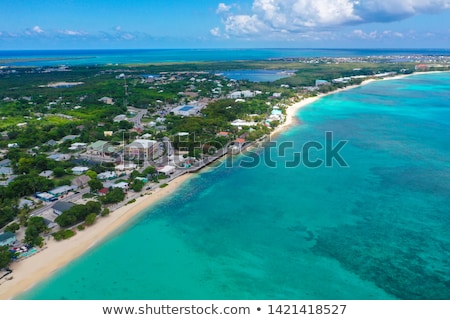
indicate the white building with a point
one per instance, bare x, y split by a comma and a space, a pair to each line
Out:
186, 110
141, 149
166, 170
79, 170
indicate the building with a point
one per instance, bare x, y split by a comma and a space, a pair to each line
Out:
122, 185
46, 174
78, 146
141, 149
125, 166
81, 181
108, 175
106, 100
166, 170
321, 83
7, 238
101, 148
61, 206
63, 190
186, 110
79, 170
45, 196
242, 94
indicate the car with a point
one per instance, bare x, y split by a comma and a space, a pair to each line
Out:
148, 188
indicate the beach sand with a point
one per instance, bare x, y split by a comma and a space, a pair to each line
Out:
30, 271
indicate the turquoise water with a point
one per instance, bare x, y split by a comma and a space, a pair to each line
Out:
377, 229
257, 75
137, 56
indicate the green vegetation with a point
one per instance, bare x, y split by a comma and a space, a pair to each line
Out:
6, 257
78, 213
164, 185
63, 234
35, 227
13, 227
114, 196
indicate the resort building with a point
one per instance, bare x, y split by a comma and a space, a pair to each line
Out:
7, 238
141, 149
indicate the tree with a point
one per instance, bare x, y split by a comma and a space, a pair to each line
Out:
90, 219
59, 172
5, 257
13, 227
137, 185
92, 174
114, 196
95, 185
35, 226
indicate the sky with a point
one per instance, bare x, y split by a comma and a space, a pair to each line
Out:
146, 24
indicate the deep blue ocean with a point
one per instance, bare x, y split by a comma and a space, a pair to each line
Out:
377, 228
101, 57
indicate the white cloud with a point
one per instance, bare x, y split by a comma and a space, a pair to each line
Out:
303, 16
37, 29
244, 25
72, 33
215, 32
222, 8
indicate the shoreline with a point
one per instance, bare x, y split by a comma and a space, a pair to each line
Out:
292, 110
29, 272
34, 269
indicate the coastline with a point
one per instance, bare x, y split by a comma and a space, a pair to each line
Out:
291, 111
38, 267
27, 273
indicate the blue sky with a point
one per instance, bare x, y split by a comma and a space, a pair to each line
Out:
80, 24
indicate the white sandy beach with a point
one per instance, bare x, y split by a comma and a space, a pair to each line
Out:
28, 272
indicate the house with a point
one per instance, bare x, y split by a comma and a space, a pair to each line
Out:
70, 137
223, 134
101, 148
141, 149
5, 163
108, 175
121, 185
78, 146
61, 206
6, 171
25, 203
103, 191
59, 157
7, 238
79, 170
106, 100
81, 181
46, 174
